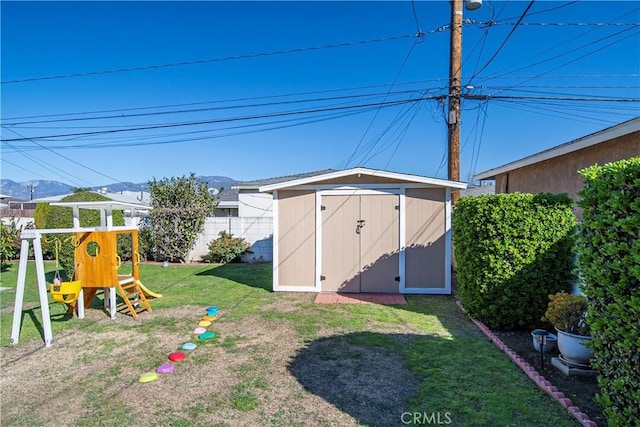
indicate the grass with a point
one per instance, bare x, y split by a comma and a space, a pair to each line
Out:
278, 359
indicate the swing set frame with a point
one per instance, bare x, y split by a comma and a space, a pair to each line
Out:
33, 237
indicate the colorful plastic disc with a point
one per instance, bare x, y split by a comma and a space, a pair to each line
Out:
213, 307
176, 357
189, 346
199, 330
207, 335
147, 377
204, 323
165, 369
210, 318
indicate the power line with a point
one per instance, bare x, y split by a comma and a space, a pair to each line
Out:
202, 122
504, 42
253, 98
211, 60
46, 166
64, 157
198, 110
385, 98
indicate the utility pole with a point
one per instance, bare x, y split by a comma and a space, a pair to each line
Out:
455, 82
455, 87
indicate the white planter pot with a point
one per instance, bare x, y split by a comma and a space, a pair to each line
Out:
550, 341
572, 347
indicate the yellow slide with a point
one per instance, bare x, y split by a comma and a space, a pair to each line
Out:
147, 292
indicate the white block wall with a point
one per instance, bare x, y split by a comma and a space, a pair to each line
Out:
256, 230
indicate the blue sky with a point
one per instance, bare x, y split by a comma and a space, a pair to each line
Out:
276, 99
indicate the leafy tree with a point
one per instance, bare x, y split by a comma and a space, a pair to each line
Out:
179, 209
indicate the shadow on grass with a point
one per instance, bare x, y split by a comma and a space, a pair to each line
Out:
364, 374
254, 275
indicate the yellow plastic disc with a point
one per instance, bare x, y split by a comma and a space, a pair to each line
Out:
204, 323
147, 377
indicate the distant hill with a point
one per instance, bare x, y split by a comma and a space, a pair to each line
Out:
22, 190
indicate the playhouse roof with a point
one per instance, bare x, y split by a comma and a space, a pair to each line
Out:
102, 205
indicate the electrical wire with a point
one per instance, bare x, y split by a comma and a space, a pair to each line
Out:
211, 60
504, 42
404, 62
253, 98
64, 157
199, 110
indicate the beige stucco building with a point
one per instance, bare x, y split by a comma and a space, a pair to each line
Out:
556, 170
362, 230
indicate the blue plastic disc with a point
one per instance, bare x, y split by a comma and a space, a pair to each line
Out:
189, 346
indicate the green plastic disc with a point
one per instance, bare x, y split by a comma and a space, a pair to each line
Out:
207, 335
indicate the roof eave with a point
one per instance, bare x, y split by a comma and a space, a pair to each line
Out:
617, 131
364, 171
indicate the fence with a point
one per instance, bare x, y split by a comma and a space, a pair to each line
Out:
256, 230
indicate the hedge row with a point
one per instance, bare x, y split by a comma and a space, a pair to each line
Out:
609, 261
512, 251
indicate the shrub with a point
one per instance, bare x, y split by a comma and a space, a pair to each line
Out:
567, 313
227, 248
609, 262
512, 251
10, 240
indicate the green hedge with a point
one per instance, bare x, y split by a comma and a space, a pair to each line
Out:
512, 251
609, 261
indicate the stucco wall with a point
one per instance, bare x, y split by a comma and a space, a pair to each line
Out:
560, 174
255, 204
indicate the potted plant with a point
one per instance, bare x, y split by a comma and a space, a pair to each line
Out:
567, 313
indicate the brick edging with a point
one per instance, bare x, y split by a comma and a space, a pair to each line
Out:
531, 372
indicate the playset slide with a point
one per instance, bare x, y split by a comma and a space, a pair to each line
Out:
147, 292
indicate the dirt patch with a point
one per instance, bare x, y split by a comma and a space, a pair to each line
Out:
367, 382
250, 374
581, 390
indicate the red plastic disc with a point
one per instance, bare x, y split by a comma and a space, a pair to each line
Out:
176, 357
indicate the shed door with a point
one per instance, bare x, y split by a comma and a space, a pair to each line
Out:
360, 243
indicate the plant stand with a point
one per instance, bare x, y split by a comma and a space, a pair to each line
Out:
571, 370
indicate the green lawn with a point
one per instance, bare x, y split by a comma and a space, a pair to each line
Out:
278, 359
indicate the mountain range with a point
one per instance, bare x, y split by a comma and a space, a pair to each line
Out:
42, 188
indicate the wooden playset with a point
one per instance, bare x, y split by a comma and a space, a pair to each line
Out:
96, 267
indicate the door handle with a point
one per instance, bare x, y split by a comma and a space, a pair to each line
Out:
359, 226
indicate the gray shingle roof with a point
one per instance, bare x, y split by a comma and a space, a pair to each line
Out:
228, 195
480, 190
260, 182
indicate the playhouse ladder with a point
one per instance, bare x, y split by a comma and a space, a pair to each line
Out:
127, 290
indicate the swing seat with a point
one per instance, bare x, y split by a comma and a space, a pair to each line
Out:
66, 292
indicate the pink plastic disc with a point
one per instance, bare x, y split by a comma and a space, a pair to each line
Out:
199, 330
164, 369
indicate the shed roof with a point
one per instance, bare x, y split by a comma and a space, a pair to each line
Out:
622, 129
256, 184
333, 174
